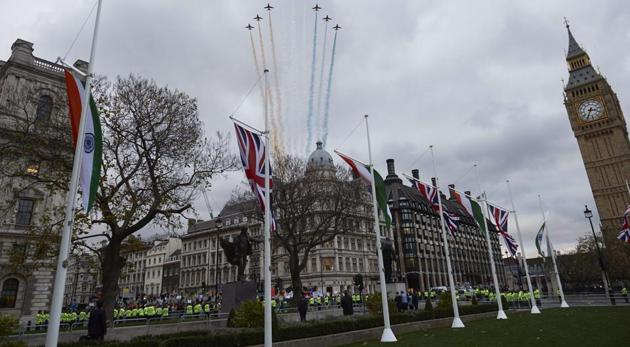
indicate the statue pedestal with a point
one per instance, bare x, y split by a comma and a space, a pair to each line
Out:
236, 292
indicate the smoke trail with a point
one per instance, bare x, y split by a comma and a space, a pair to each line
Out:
311, 89
321, 84
278, 112
275, 140
330, 75
251, 38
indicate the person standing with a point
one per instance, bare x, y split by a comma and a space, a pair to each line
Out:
303, 308
346, 304
97, 325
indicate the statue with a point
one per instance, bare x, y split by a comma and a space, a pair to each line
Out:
237, 251
388, 258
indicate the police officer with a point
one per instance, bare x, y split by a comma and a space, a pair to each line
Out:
624, 293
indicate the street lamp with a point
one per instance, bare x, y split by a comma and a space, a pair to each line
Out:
588, 214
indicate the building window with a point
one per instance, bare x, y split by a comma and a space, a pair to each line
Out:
8, 296
44, 109
25, 212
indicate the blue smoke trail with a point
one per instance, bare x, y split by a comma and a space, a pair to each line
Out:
321, 85
330, 75
311, 90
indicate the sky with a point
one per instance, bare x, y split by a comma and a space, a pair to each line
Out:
480, 81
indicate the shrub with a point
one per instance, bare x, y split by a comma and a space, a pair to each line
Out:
8, 325
375, 305
230, 319
428, 305
249, 314
474, 300
446, 302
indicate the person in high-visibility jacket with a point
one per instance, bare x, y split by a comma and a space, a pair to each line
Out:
311, 301
140, 312
274, 303
189, 309
624, 293
115, 314
82, 316
206, 308
197, 308
158, 311
149, 311
165, 312
122, 313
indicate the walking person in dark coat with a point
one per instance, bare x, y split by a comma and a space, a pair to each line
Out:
346, 304
303, 308
97, 325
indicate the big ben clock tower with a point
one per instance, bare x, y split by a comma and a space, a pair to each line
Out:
600, 129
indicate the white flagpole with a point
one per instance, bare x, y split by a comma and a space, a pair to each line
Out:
628, 186
388, 334
457, 322
553, 254
52, 335
535, 309
501, 314
267, 233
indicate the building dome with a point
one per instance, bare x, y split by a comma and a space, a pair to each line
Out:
320, 159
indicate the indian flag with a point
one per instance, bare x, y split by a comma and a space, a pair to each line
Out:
464, 201
363, 171
93, 139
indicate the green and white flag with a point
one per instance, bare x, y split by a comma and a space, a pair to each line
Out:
477, 213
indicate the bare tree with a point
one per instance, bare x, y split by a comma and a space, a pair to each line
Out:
311, 207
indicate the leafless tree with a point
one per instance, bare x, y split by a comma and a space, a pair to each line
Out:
311, 207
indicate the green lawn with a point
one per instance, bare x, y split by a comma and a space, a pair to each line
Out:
584, 326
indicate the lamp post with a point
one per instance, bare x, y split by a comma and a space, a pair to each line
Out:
218, 223
588, 214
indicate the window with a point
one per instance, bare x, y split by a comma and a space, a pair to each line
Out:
8, 296
25, 212
44, 109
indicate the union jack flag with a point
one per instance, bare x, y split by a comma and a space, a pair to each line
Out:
451, 220
253, 154
510, 243
624, 234
500, 220
429, 192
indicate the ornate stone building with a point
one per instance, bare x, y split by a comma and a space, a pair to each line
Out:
602, 136
132, 276
83, 279
32, 100
419, 246
155, 260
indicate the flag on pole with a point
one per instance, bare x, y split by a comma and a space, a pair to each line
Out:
539, 238
499, 218
363, 171
477, 213
93, 139
624, 234
430, 192
253, 154
464, 201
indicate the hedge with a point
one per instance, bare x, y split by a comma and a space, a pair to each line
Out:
285, 333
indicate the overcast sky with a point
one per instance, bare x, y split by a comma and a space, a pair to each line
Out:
479, 80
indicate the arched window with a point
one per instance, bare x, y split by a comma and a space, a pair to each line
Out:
9, 292
44, 109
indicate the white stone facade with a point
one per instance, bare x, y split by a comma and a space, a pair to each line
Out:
155, 259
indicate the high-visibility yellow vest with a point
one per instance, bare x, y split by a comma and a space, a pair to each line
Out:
197, 308
206, 308
165, 312
189, 309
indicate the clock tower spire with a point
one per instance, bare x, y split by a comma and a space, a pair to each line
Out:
600, 129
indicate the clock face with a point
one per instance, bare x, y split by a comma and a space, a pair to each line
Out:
590, 110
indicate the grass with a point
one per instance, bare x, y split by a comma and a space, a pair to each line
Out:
582, 326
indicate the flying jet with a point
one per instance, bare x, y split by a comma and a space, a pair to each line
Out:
317, 8
337, 27
327, 18
268, 7
249, 27
258, 18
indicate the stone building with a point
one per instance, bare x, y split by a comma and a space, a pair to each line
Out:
82, 279
132, 277
155, 259
419, 246
32, 108
170, 273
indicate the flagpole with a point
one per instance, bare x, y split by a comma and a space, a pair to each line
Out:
388, 334
457, 322
267, 233
501, 314
52, 335
628, 187
553, 255
535, 309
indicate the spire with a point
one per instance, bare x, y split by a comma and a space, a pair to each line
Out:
574, 49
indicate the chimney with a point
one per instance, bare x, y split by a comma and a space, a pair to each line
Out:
450, 192
391, 170
82, 65
391, 173
415, 173
434, 181
468, 193
22, 52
